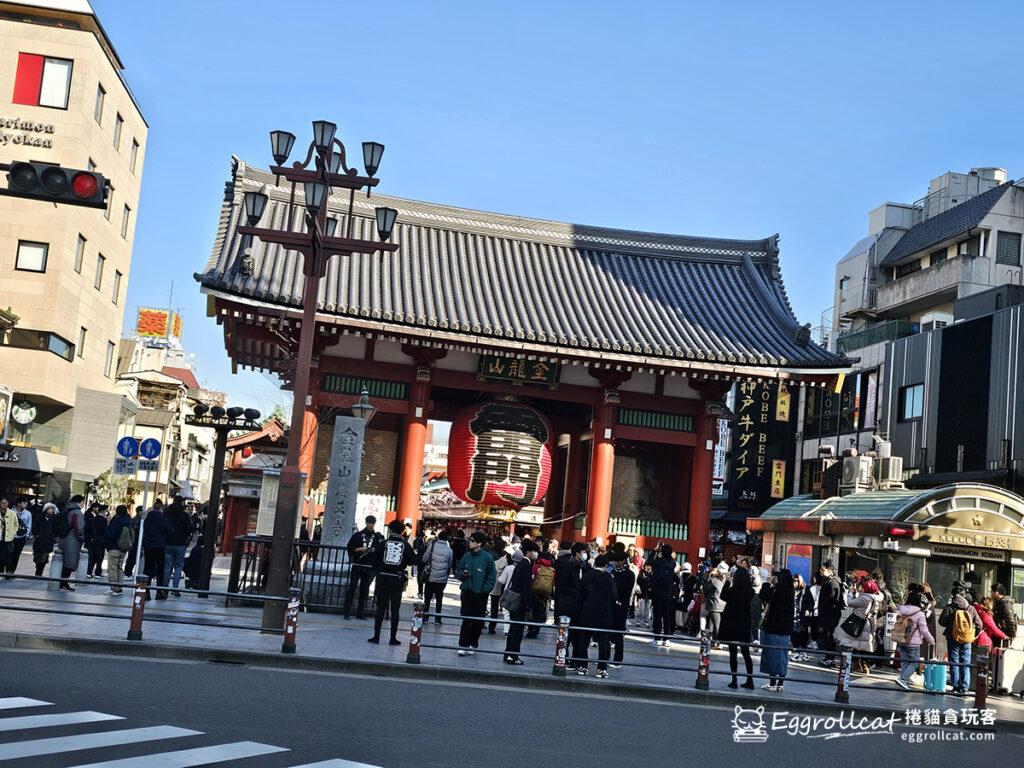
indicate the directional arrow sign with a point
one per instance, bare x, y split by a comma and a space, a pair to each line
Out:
150, 448
128, 447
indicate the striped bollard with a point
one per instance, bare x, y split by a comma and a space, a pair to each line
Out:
704, 662
291, 621
415, 634
843, 678
561, 645
981, 679
138, 607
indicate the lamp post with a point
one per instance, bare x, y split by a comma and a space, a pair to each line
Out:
222, 421
323, 170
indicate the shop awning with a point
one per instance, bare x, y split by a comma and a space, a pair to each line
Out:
991, 476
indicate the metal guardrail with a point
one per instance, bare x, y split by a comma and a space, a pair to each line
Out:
979, 666
888, 331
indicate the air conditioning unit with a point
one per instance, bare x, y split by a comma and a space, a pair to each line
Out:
889, 470
856, 470
935, 320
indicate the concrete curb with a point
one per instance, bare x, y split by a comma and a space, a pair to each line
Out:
427, 672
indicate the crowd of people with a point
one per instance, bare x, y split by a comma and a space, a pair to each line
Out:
170, 549
749, 609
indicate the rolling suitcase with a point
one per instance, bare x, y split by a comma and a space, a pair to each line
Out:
935, 676
1008, 670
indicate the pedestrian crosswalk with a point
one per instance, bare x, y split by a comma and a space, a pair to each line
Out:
160, 751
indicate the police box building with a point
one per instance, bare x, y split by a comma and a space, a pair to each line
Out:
583, 369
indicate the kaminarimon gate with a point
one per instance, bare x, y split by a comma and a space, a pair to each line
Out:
625, 341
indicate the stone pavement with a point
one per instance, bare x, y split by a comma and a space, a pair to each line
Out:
327, 638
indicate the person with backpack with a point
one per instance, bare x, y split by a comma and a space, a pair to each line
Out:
515, 596
390, 558
909, 633
118, 540
435, 563
477, 573
22, 533
598, 598
712, 603
69, 530
664, 584
42, 536
541, 588
961, 626
625, 580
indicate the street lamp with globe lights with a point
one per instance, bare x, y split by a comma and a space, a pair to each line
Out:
323, 171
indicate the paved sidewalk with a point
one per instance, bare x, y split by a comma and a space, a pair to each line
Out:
330, 639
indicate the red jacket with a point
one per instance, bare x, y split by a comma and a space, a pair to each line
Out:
989, 629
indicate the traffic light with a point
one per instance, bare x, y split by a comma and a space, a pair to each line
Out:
47, 181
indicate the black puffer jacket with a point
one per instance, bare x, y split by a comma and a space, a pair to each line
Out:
568, 573
598, 597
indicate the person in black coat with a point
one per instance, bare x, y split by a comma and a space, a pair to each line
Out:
830, 609
95, 533
598, 598
361, 548
42, 536
389, 559
664, 591
778, 597
624, 582
569, 566
736, 626
520, 583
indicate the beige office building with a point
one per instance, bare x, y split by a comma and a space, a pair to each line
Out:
64, 268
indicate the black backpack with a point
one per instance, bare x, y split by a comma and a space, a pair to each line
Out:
61, 525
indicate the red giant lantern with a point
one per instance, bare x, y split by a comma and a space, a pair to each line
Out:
499, 454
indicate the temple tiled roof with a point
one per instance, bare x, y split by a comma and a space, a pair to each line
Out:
472, 274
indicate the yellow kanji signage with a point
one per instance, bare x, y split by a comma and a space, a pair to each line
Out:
778, 479
782, 403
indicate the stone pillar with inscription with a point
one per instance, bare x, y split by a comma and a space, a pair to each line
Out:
343, 480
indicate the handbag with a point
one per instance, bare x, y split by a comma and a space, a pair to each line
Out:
853, 625
511, 601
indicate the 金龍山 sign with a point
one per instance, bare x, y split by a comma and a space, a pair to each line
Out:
517, 370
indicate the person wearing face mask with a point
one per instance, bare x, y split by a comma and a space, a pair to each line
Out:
520, 583
625, 580
477, 572
569, 567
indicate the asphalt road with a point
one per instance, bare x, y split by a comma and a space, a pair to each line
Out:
395, 724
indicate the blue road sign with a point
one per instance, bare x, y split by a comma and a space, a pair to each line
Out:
128, 447
150, 448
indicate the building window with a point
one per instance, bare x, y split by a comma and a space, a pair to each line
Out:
80, 350
79, 254
42, 81
108, 362
100, 262
100, 96
1008, 248
118, 124
116, 293
938, 257
110, 201
125, 214
844, 282
135, 155
908, 269
24, 338
911, 402
31, 256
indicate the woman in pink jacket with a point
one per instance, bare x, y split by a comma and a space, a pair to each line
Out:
910, 632
989, 630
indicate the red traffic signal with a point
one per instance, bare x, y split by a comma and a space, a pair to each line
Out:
47, 181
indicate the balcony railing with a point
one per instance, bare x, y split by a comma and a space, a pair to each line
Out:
876, 334
656, 529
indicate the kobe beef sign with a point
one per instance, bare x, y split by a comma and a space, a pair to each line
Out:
518, 371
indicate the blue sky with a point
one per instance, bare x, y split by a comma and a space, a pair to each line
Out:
727, 119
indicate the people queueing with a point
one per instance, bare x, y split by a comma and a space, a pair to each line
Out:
909, 633
436, 565
516, 597
1002, 612
569, 567
735, 628
990, 632
43, 538
178, 538
69, 528
961, 626
857, 632
598, 598
625, 580
119, 540
389, 560
477, 572
22, 533
95, 536
361, 547
777, 595
155, 532
830, 610
541, 588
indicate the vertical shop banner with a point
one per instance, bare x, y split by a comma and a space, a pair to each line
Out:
762, 446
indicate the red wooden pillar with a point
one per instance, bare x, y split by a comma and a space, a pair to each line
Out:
602, 465
702, 467
414, 443
307, 453
571, 497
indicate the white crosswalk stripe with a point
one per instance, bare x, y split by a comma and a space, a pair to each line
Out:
189, 757
62, 744
17, 702
337, 763
48, 721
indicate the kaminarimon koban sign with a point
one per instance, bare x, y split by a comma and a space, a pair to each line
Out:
499, 455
